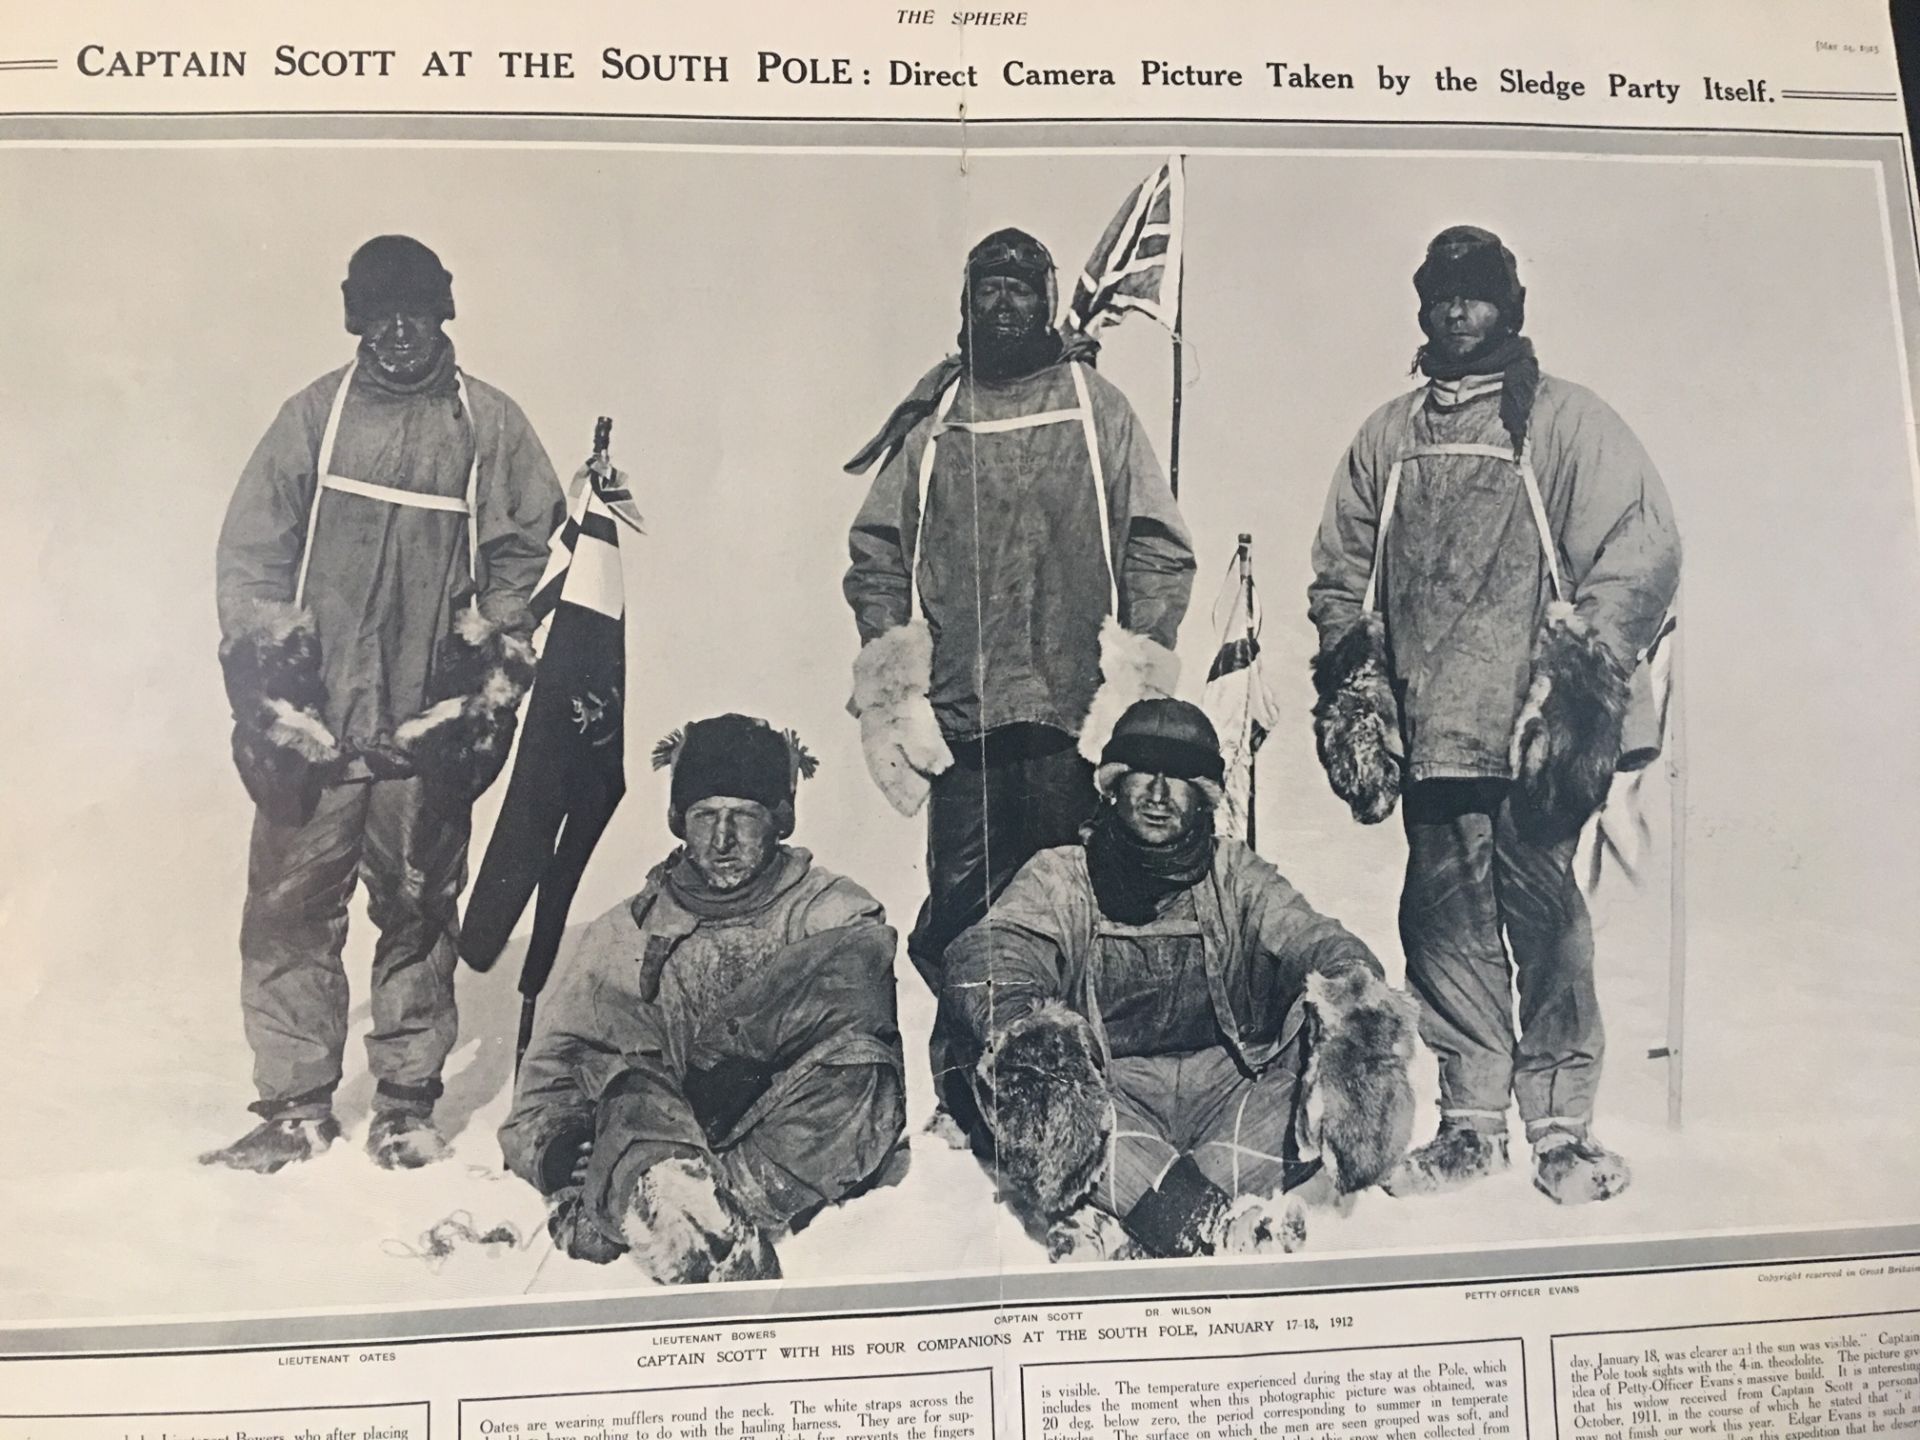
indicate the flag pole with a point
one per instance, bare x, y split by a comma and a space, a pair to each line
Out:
1677, 899
1245, 559
1179, 320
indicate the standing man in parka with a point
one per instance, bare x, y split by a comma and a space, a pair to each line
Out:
373, 577
720, 1055
1020, 571
1496, 557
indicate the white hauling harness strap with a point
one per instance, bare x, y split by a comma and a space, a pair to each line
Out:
1082, 411
1521, 460
389, 494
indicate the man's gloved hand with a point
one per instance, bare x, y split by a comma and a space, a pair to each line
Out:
1356, 720
684, 1229
574, 1232
1358, 1097
1568, 739
1043, 1088
899, 733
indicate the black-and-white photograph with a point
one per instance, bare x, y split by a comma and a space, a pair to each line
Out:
591, 717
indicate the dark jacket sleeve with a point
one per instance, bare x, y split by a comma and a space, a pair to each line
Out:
519, 511
1155, 548
1343, 547
1619, 538
877, 584
1295, 937
258, 557
1016, 958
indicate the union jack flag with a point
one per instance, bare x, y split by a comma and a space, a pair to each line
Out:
1136, 265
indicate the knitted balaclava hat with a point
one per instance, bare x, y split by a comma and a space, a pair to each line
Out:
738, 756
1470, 263
394, 273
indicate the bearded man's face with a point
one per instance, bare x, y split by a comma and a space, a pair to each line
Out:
1157, 809
405, 345
1459, 328
1003, 311
730, 842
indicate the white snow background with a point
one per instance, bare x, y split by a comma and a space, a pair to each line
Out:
748, 319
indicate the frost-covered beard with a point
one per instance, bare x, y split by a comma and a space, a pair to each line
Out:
405, 349
1002, 343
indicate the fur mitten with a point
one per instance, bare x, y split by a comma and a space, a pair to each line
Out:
1358, 1097
898, 731
1044, 1095
1132, 668
281, 747
459, 743
683, 1228
1567, 742
1356, 720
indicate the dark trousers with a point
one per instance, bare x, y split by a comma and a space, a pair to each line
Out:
1009, 795
293, 988
1491, 907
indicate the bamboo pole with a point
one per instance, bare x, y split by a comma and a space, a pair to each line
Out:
1179, 322
1677, 899
1245, 558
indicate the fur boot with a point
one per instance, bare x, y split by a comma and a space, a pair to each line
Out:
1356, 720
682, 1228
574, 1233
1259, 1225
1088, 1234
898, 731
1132, 668
1571, 1168
281, 747
1358, 1097
1567, 742
1044, 1096
275, 1144
402, 1140
1457, 1156
459, 744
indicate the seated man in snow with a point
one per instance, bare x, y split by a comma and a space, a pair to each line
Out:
719, 1057
1170, 1038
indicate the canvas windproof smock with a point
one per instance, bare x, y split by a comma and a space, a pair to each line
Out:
1463, 577
379, 550
766, 1041
1014, 572
1197, 1012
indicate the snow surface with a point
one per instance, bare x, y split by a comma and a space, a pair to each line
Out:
124, 1067
129, 406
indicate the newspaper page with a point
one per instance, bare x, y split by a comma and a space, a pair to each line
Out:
999, 720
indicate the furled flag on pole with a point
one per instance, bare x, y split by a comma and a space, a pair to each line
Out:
570, 772
1137, 268
1236, 697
